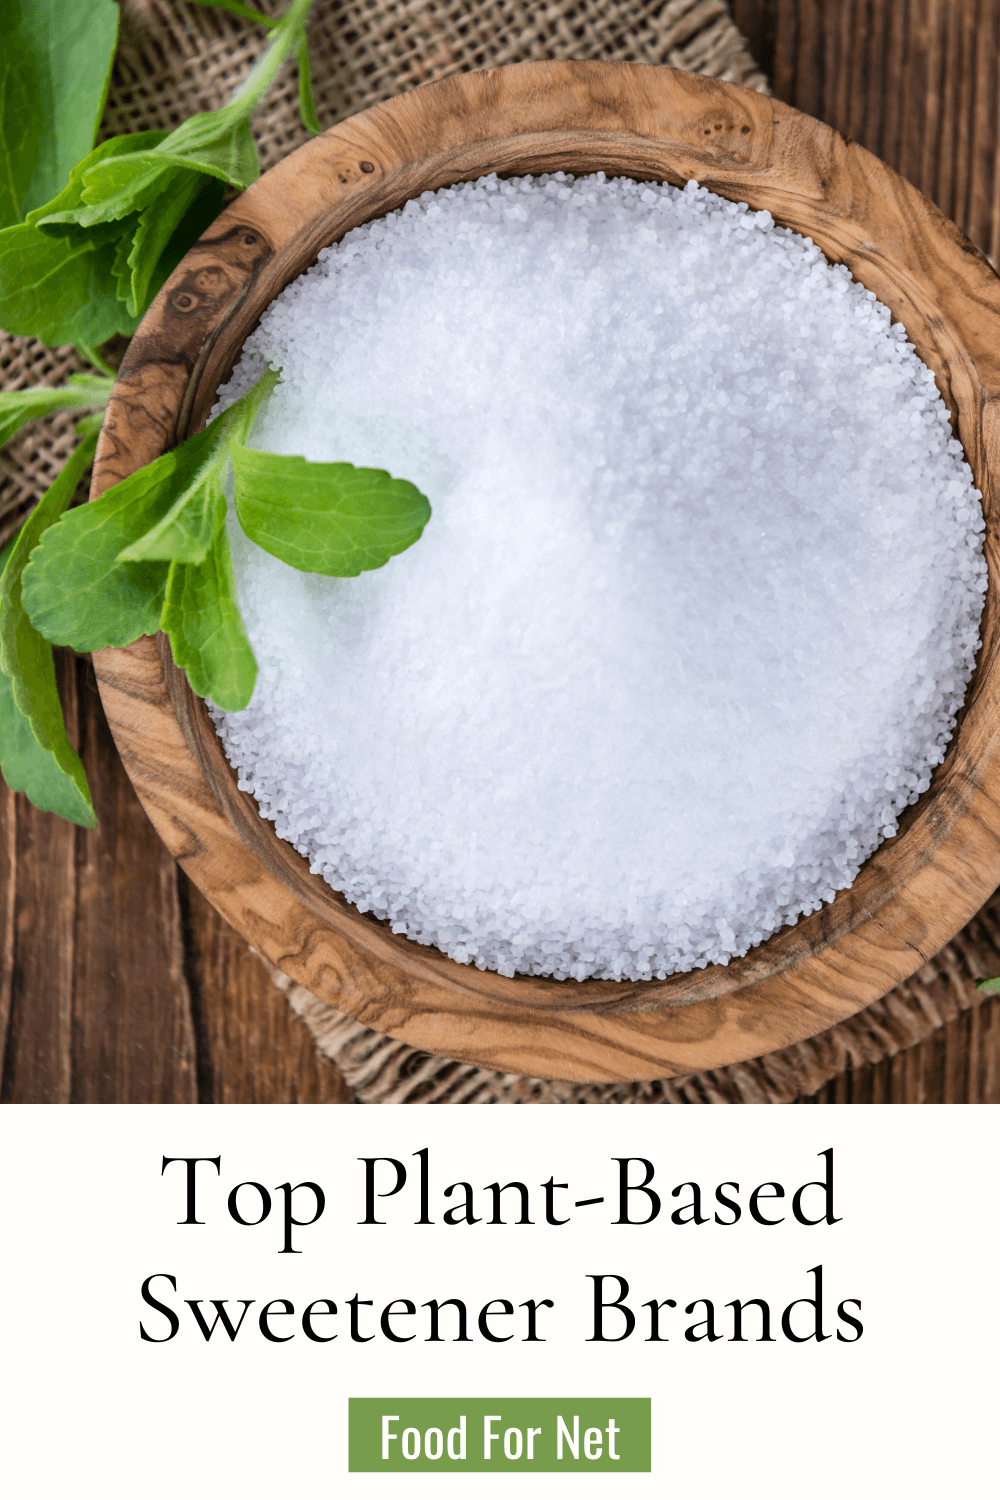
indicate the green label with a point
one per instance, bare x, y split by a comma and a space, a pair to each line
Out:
547, 1435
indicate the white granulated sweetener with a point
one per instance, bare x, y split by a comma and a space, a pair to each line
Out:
696, 608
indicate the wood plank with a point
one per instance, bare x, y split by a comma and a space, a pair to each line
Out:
8, 901
958, 1064
133, 1033
101, 937
918, 84
253, 1048
37, 1061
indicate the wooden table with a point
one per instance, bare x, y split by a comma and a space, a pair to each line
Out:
120, 984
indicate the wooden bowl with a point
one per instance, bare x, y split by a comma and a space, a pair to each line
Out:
914, 893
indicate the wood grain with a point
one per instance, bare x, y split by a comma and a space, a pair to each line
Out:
39, 1004
958, 1064
917, 82
118, 982
251, 1047
133, 1035
911, 896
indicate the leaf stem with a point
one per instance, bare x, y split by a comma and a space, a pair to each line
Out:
287, 36
92, 357
307, 107
245, 12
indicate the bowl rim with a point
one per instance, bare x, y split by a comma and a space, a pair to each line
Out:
913, 893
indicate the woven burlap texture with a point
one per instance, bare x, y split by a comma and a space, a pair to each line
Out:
176, 58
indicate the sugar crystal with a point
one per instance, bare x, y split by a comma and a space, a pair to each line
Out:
696, 608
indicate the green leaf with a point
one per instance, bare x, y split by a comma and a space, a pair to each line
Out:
307, 108
154, 231
91, 357
189, 527
220, 144
80, 589
120, 268
197, 479
127, 184
59, 290
27, 768
207, 639
286, 38
217, 142
59, 279
123, 185
89, 426
55, 64
142, 247
53, 778
242, 415
75, 590
989, 986
245, 12
69, 207
203, 211
325, 518
19, 407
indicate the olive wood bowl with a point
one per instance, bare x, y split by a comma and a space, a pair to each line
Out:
911, 896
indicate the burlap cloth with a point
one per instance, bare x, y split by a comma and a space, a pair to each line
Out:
176, 58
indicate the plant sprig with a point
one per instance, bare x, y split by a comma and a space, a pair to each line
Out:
152, 553
20, 407
55, 66
245, 12
86, 262
35, 753
88, 234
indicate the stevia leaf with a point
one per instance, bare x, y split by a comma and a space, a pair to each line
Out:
223, 146
75, 590
325, 518
285, 39
88, 425
243, 413
99, 236
203, 621
27, 768
245, 12
55, 64
107, 603
197, 483
52, 775
307, 107
220, 142
91, 357
78, 591
59, 290
123, 185
154, 231
989, 986
120, 268
217, 142
19, 407
203, 211
148, 246
188, 529
68, 207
